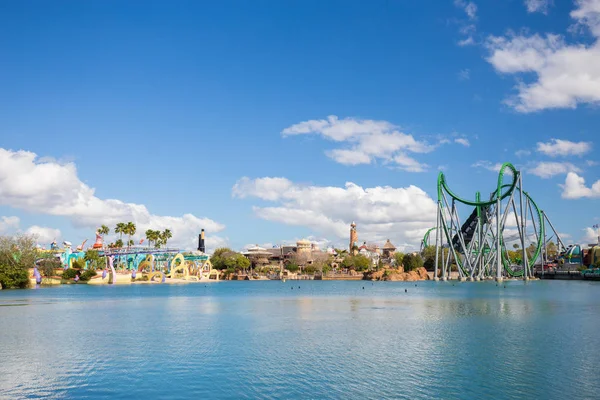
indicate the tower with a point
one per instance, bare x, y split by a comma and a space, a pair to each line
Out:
353, 237
201, 246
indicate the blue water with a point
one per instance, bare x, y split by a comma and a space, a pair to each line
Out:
321, 340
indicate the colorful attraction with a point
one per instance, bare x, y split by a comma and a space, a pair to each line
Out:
479, 245
134, 263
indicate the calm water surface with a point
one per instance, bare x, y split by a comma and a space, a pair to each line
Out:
321, 340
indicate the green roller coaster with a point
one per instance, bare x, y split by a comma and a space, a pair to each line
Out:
479, 246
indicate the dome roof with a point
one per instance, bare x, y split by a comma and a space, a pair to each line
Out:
304, 242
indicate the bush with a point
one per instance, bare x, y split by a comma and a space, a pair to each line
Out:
292, 267
17, 255
310, 270
13, 277
70, 273
78, 263
87, 275
47, 266
412, 262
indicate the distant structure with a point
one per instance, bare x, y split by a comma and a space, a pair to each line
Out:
303, 247
201, 246
388, 249
353, 239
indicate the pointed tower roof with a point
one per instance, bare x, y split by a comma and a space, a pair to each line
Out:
389, 246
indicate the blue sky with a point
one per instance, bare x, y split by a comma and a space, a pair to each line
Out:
178, 114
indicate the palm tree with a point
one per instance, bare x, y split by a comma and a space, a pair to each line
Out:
130, 243
165, 236
119, 243
103, 231
130, 230
120, 229
149, 236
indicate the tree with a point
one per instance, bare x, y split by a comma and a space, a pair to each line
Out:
357, 262
120, 229
224, 258
292, 267
412, 262
516, 246
149, 236
118, 243
92, 257
398, 258
429, 257
165, 236
103, 231
17, 255
551, 250
130, 230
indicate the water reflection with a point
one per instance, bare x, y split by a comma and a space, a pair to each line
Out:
327, 340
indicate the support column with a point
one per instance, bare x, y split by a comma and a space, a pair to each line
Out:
498, 247
437, 243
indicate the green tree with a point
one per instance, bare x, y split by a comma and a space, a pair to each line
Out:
165, 236
398, 258
292, 267
357, 262
149, 237
429, 257
92, 257
412, 261
103, 231
17, 255
130, 230
120, 230
119, 243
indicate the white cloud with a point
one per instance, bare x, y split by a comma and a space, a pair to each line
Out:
401, 214
469, 41
9, 223
463, 141
366, 140
464, 74
522, 153
590, 235
53, 188
565, 75
549, 169
468, 7
44, 234
487, 165
540, 6
574, 187
559, 147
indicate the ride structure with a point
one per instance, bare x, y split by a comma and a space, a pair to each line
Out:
479, 246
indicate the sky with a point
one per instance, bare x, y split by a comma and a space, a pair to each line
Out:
264, 122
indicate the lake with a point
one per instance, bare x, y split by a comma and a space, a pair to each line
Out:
302, 339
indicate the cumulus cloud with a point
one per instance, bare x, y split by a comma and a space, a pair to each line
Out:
575, 188
49, 187
44, 234
366, 141
559, 147
540, 6
565, 75
467, 28
9, 223
401, 214
549, 169
590, 236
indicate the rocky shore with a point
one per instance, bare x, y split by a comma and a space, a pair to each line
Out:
397, 274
